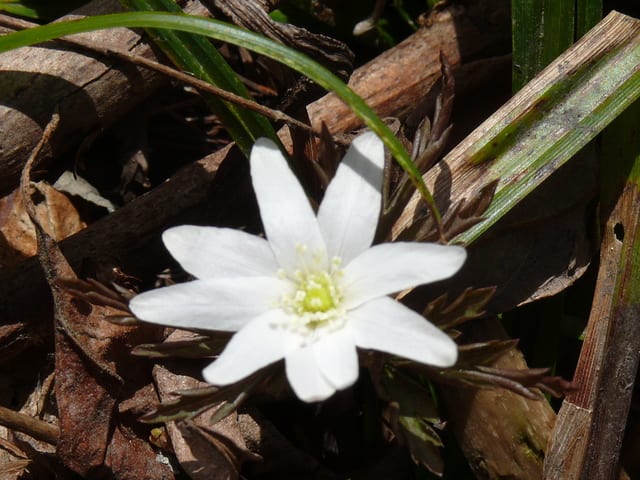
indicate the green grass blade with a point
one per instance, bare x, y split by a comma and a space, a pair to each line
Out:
556, 115
17, 8
39, 9
588, 13
196, 55
236, 36
542, 30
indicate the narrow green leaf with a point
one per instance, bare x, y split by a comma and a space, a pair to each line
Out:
588, 14
569, 104
236, 36
40, 9
17, 8
542, 30
196, 55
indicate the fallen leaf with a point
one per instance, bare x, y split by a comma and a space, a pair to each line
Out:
90, 355
205, 451
57, 215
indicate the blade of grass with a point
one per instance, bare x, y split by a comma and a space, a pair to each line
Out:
544, 125
17, 8
588, 13
542, 30
236, 36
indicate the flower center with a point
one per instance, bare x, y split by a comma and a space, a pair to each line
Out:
315, 302
316, 293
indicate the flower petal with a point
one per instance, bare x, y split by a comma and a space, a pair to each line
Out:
211, 304
348, 214
393, 267
305, 377
257, 345
208, 252
388, 326
337, 357
288, 219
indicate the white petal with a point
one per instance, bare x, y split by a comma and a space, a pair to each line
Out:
337, 358
211, 304
348, 214
388, 326
305, 377
208, 252
257, 345
287, 216
393, 267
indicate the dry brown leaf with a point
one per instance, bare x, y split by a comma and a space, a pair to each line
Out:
56, 214
90, 354
206, 451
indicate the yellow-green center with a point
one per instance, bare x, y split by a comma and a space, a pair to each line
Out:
316, 293
314, 304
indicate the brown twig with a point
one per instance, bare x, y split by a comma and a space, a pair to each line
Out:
201, 85
38, 429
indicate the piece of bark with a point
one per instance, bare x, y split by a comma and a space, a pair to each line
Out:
90, 93
502, 434
129, 234
401, 78
588, 434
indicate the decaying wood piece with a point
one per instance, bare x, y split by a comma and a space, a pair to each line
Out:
400, 79
125, 235
502, 434
591, 423
90, 93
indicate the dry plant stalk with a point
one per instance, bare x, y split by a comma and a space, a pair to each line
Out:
592, 421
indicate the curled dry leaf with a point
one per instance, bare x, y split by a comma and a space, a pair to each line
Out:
467, 306
91, 355
57, 215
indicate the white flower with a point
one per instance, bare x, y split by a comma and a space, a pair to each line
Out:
315, 289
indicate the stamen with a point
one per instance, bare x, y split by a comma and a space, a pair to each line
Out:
315, 306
